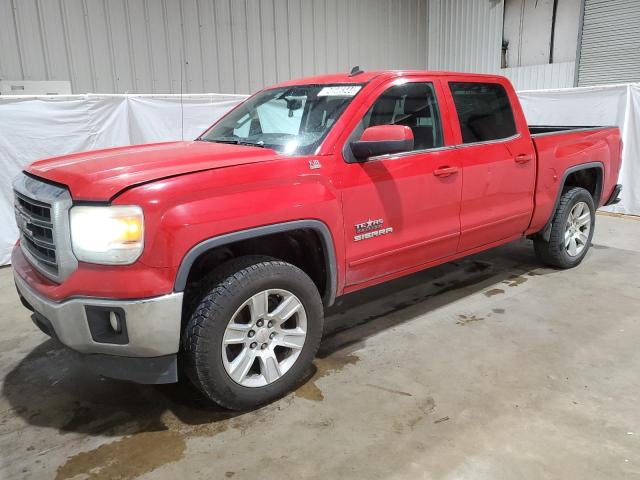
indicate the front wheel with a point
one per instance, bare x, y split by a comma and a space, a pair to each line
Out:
571, 230
254, 334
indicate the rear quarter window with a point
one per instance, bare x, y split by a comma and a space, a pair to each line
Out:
483, 110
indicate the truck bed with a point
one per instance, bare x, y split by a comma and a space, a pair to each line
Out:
559, 149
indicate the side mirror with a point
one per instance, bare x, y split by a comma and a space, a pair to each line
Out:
382, 140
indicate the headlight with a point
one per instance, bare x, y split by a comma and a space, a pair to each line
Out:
109, 235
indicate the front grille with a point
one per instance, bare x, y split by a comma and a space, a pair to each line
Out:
36, 229
42, 215
38, 210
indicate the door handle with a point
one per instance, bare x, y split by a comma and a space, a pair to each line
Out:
523, 158
445, 171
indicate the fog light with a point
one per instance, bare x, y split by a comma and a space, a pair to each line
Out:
107, 324
114, 321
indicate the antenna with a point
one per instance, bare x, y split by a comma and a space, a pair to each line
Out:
355, 71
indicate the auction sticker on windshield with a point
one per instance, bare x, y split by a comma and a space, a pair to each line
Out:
339, 91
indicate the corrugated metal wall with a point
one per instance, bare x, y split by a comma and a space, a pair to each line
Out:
536, 77
610, 43
465, 35
238, 46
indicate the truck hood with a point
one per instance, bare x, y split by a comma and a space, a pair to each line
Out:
100, 174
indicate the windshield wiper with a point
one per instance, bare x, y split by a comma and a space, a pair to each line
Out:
234, 141
219, 140
251, 144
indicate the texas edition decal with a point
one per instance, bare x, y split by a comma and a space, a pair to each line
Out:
371, 229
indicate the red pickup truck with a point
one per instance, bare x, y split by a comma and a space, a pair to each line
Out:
222, 253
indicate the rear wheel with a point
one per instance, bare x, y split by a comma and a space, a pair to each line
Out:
254, 333
571, 230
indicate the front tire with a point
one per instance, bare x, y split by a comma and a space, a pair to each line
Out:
255, 332
571, 230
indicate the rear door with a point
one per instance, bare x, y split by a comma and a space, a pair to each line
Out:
401, 210
497, 158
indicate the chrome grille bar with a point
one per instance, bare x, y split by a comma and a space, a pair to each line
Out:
42, 215
38, 210
44, 255
34, 222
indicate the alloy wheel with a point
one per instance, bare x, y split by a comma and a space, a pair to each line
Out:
264, 338
576, 234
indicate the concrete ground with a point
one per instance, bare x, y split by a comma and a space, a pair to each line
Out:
491, 367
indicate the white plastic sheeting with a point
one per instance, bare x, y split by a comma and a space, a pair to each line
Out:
32, 128
604, 105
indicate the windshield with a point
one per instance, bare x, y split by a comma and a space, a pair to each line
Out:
292, 120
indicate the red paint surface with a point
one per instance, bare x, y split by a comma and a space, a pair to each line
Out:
441, 204
386, 132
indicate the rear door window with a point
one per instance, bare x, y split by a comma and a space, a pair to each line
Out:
483, 110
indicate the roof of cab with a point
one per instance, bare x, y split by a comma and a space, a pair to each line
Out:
365, 77
362, 77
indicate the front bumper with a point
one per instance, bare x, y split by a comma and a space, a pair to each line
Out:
145, 354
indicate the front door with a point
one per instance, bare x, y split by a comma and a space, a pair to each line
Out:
401, 210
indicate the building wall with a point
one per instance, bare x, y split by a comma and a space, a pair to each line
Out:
538, 77
566, 33
527, 28
238, 46
532, 60
464, 35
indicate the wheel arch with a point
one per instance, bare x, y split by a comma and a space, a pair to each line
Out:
596, 191
571, 177
318, 227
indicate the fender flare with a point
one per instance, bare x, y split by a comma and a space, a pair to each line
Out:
546, 231
316, 225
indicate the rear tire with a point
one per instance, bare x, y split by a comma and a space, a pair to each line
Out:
255, 332
571, 230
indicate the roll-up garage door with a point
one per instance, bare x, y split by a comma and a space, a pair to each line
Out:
610, 43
